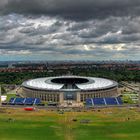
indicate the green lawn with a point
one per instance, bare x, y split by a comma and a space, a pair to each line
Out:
106, 124
10, 96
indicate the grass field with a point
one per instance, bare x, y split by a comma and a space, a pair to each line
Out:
9, 96
105, 124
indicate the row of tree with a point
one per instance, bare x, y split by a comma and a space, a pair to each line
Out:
117, 75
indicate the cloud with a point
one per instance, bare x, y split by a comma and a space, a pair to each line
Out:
72, 9
101, 38
83, 29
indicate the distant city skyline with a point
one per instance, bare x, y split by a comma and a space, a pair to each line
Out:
69, 30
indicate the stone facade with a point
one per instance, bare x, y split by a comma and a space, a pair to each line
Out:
58, 96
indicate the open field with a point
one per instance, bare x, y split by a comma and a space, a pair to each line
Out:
104, 124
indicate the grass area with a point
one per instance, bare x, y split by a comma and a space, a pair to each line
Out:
105, 124
130, 97
10, 96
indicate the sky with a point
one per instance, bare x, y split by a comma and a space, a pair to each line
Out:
69, 30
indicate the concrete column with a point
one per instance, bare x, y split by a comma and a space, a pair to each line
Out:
78, 97
53, 97
61, 97
83, 97
47, 97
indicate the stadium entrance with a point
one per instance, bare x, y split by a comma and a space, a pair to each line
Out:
69, 95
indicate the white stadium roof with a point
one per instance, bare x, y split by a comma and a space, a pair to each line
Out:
92, 84
41, 84
98, 83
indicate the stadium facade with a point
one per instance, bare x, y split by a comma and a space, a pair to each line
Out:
65, 88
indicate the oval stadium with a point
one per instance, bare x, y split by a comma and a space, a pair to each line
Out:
69, 88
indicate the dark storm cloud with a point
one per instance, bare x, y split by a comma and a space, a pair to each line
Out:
46, 34
97, 28
73, 9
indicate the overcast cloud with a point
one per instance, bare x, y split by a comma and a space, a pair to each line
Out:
82, 29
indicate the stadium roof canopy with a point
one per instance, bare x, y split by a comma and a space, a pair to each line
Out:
81, 83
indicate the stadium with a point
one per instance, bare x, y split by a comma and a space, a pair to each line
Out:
68, 88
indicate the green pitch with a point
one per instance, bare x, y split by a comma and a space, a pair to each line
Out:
103, 124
